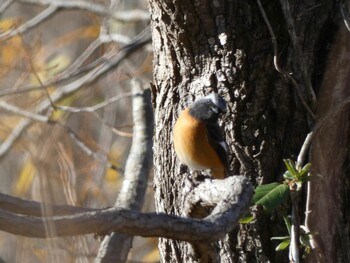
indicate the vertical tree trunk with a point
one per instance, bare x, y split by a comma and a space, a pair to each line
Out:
329, 215
225, 46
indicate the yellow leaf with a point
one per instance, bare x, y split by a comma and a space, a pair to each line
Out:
10, 50
41, 254
6, 24
152, 256
25, 178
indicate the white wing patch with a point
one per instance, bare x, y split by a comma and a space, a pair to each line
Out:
224, 145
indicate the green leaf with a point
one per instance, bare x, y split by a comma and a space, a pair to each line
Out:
291, 167
246, 220
304, 171
283, 245
270, 195
288, 176
262, 190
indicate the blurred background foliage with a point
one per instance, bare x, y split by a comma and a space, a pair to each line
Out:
46, 163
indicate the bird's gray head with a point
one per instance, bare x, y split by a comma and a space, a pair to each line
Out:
208, 108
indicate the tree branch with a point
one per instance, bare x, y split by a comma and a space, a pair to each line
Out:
234, 194
5, 5
136, 15
64, 90
39, 18
116, 246
76, 139
33, 208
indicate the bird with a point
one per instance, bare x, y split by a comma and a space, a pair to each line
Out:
198, 140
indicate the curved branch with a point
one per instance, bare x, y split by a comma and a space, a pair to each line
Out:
33, 208
234, 193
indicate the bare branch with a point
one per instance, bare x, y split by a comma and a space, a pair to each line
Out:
112, 59
116, 246
97, 106
235, 193
18, 111
39, 18
76, 139
136, 15
304, 150
140, 40
34, 71
33, 208
5, 5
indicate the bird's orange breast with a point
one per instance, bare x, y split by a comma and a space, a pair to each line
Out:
192, 145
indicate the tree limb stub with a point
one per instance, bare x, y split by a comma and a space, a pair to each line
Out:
233, 195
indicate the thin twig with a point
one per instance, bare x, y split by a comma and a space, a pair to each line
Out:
304, 150
299, 54
18, 111
5, 5
143, 38
105, 26
276, 64
95, 107
39, 18
34, 71
75, 137
125, 16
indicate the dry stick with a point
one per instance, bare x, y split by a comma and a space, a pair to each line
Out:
137, 15
140, 40
276, 64
39, 18
232, 196
116, 247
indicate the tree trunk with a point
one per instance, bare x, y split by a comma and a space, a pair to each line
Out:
226, 47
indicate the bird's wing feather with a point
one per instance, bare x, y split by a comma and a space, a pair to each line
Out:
217, 141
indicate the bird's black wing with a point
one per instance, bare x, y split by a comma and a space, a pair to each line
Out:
218, 142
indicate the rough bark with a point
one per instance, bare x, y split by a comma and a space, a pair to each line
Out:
225, 46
